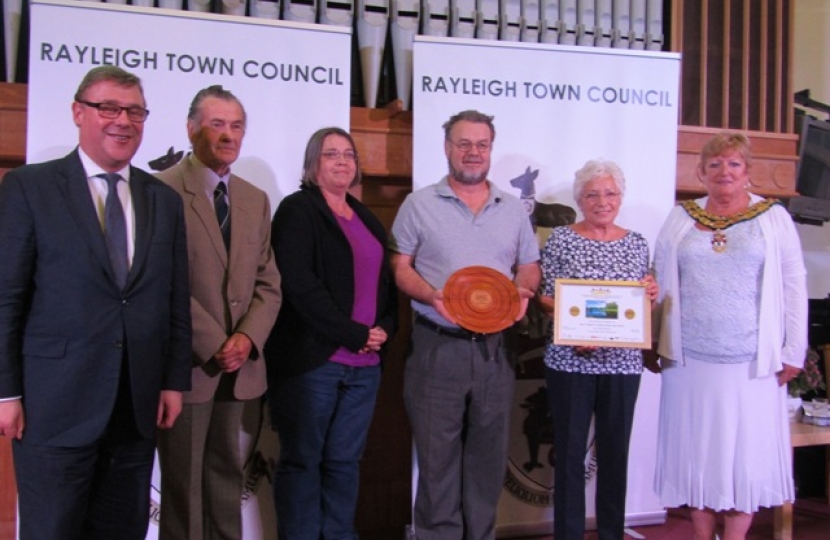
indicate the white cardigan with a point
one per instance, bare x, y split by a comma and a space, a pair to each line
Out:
782, 331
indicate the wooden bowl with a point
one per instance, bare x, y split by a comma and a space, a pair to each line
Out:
481, 299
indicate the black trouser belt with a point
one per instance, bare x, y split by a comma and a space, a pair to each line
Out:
458, 333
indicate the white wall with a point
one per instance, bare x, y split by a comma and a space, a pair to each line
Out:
811, 69
811, 48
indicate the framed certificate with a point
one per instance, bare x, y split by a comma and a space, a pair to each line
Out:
601, 313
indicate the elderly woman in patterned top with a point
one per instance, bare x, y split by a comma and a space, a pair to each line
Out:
733, 331
593, 381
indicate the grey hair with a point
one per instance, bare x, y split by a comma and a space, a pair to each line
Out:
314, 150
470, 116
598, 168
194, 114
111, 74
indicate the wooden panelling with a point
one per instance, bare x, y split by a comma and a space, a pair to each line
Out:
12, 125
737, 63
774, 161
385, 489
8, 492
384, 141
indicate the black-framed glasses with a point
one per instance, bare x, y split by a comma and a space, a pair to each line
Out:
465, 146
334, 155
112, 111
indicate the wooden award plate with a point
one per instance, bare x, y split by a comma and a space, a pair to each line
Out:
481, 299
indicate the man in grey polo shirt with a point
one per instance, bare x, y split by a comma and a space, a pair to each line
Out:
458, 385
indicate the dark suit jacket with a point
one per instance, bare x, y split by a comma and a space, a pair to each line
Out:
230, 292
317, 268
64, 323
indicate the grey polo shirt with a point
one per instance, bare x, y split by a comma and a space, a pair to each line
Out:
443, 235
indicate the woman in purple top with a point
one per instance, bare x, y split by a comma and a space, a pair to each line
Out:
323, 356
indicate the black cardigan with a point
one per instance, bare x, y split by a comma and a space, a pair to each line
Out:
317, 269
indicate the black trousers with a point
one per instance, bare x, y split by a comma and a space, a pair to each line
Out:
100, 491
574, 399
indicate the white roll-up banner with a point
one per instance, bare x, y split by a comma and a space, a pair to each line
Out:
292, 79
556, 107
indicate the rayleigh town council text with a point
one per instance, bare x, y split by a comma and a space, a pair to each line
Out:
186, 63
648, 97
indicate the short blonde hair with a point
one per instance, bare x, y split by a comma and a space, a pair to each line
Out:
727, 141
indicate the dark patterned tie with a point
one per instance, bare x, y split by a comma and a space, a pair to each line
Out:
220, 203
115, 230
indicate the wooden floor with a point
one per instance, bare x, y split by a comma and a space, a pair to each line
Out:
811, 522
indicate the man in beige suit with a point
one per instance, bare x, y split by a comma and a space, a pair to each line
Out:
235, 297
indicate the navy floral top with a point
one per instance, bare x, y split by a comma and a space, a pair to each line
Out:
568, 255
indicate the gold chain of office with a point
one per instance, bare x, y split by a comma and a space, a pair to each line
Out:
719, 224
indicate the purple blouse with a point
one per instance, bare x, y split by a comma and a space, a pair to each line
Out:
367, 254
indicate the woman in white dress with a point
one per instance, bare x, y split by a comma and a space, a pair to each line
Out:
733, 331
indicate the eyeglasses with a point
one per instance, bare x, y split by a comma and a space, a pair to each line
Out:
594, 196
335, 155
112, 111
465, 146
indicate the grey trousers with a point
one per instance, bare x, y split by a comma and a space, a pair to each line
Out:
202, 473
458, 395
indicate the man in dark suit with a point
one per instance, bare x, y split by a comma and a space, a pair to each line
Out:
94, 322
234, 300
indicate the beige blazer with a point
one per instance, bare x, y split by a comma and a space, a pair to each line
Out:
230, 292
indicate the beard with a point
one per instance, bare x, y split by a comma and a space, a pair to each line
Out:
469, 179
